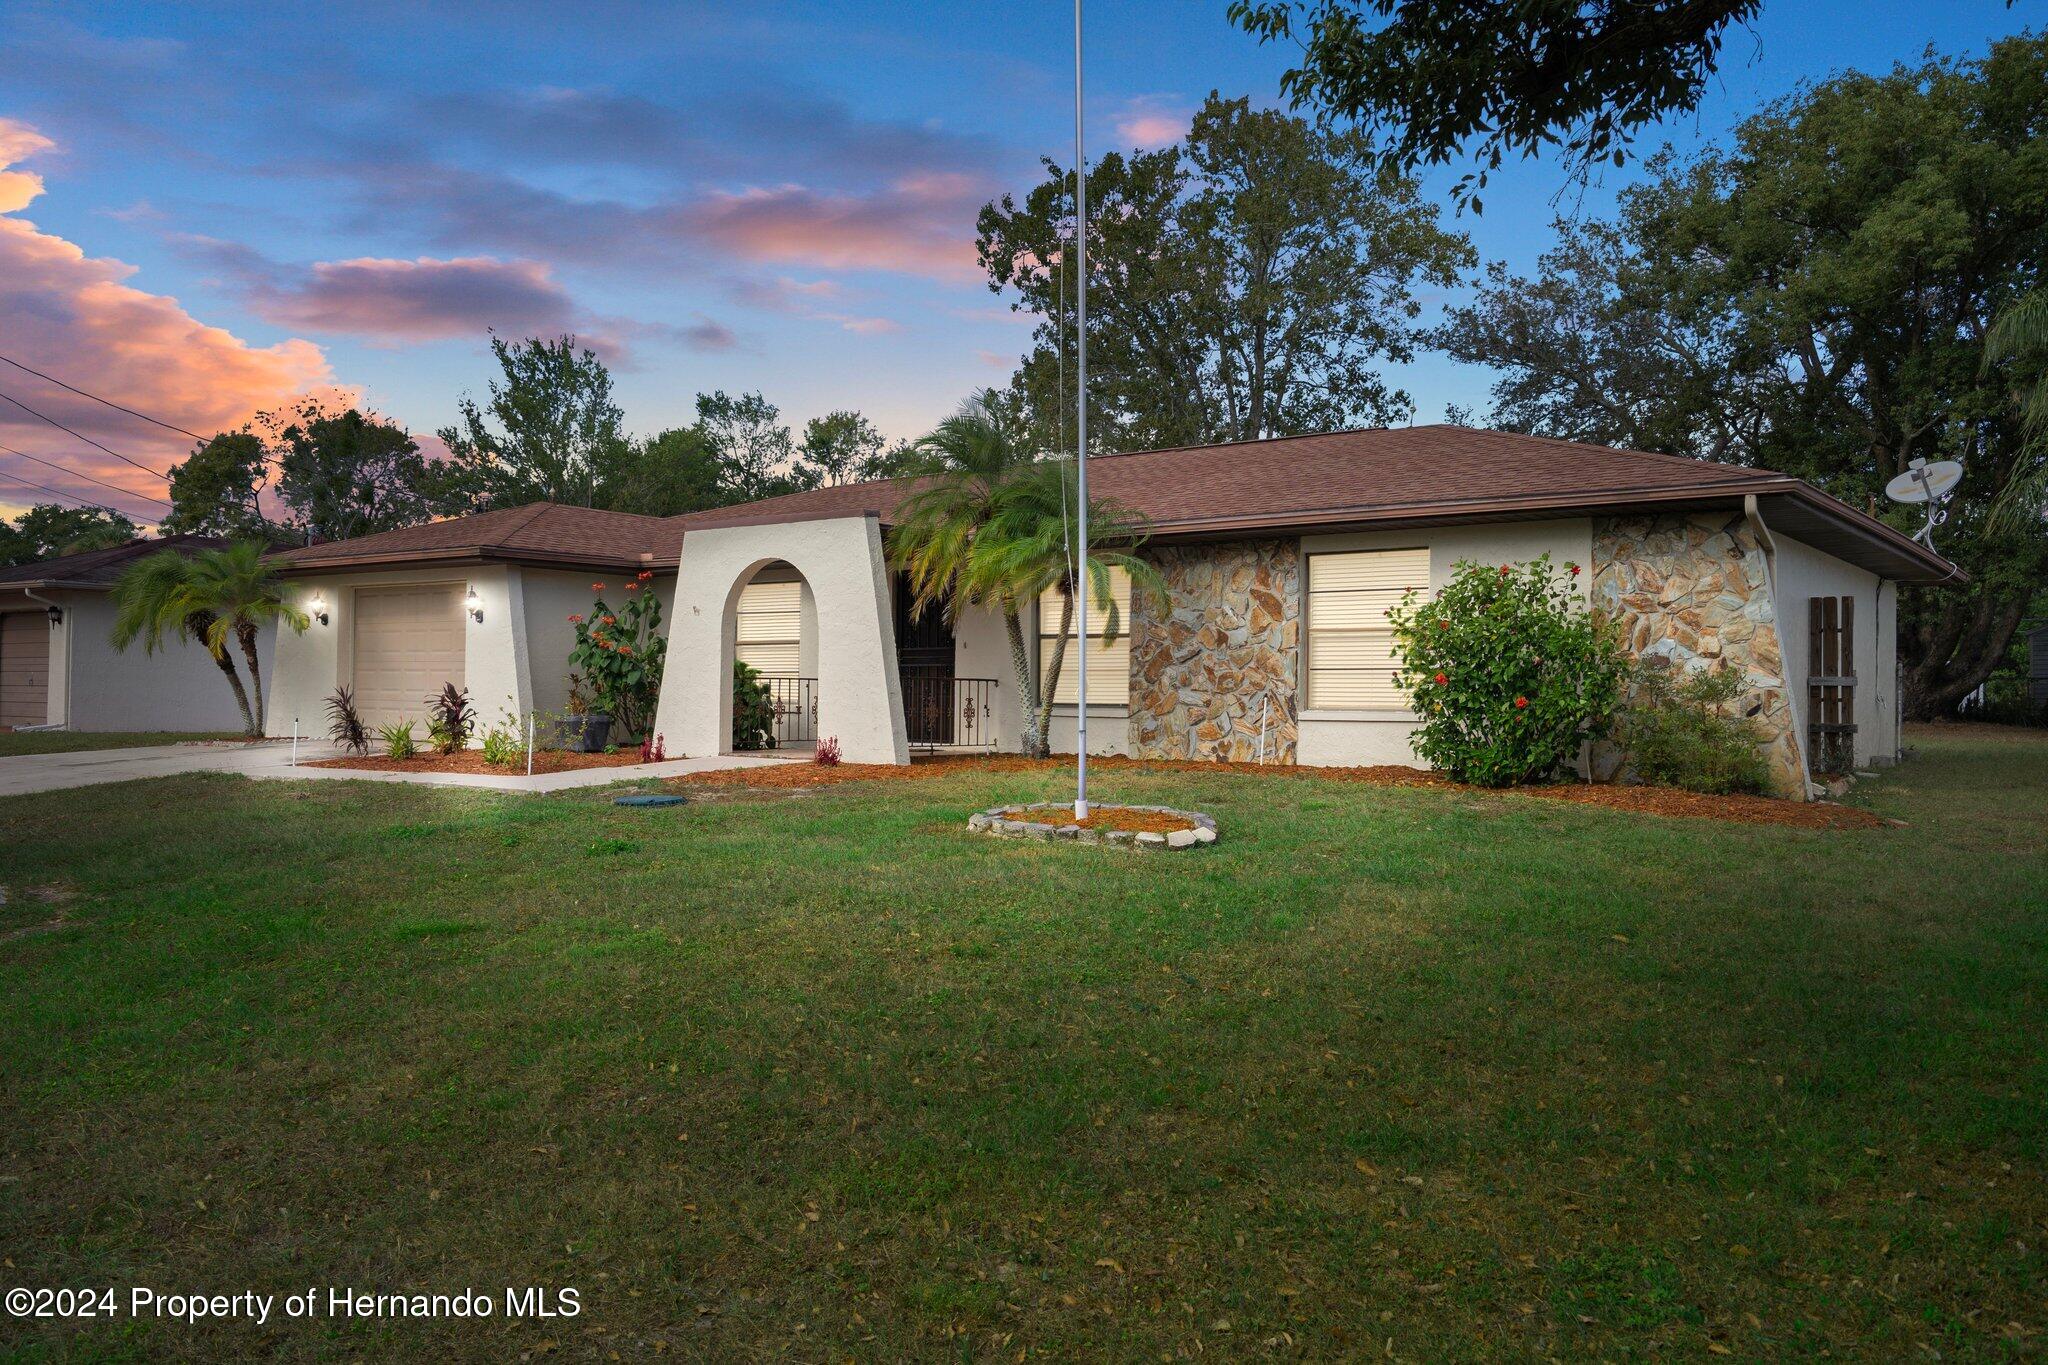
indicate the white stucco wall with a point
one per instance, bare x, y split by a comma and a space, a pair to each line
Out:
496, 655
1374, 738
981, 649
94, 686
859, 696
1799, 573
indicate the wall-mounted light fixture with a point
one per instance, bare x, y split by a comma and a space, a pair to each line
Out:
318, 607
473, 604
56, 615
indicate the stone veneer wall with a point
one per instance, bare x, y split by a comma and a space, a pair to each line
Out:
1694, 589
1228, 640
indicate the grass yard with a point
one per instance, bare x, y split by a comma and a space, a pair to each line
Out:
14, 742
1388, 1072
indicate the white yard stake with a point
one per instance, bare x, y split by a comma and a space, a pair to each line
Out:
529, 744
295, 741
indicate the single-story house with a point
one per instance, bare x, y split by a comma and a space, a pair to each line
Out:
58, 664
1281, 557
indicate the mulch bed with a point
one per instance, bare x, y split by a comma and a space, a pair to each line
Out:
1109, 817
1668, 801
472, 761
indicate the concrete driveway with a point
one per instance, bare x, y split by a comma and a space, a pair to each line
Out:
25, 773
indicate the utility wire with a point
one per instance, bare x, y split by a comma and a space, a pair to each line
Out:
73, 497
83, 437
77, 474
97, 399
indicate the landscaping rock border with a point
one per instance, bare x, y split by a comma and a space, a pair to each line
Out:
998, 822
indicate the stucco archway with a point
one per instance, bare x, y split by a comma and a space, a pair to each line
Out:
859, 695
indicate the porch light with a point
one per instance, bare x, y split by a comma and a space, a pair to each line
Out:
56, 615
318, 608
473, 604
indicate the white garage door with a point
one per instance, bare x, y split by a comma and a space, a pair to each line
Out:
24, 668
408, 646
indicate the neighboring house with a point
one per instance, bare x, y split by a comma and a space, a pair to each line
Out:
58, 664
1281, 557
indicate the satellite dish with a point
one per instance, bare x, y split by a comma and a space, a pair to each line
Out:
1930, 484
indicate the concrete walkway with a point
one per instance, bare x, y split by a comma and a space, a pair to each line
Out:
21, 774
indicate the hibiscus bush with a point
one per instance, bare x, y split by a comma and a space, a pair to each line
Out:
619, 654
1508, 670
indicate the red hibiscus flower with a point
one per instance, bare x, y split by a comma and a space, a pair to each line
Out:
1574, 568
1521, 703
597, 587
1442, 678
646, 574
1503, 571
577, 619
611, 620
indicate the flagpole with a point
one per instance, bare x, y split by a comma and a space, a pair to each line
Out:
1081, 425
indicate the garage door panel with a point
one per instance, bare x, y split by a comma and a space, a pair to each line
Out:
408, 645
24, 668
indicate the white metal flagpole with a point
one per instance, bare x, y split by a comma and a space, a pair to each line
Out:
1081, 427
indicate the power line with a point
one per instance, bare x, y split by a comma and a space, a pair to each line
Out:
55, 493
83, 437
97, 399
79, 474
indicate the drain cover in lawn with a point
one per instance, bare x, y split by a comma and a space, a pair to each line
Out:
648, 799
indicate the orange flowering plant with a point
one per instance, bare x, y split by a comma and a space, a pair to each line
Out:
1508, 670
619, 654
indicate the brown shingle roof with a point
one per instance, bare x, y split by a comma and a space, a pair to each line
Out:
538, 533
99, 568
1398, 475
1321, 478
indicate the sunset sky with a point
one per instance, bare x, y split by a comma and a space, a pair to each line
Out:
207, 209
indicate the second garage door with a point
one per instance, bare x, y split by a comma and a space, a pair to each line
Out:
408, 645
24, 668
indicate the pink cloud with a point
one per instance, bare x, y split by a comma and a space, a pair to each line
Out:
797, 299
417, 300
73, 316
916, 227
1149, 122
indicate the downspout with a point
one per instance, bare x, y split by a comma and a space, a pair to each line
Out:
1753, 514
65, 720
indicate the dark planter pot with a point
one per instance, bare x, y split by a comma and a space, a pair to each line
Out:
587, 734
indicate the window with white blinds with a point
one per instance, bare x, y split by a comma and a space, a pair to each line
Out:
769, 634
1351, 659
1109, 665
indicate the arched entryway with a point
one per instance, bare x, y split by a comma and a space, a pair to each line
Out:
844, 638
775, 632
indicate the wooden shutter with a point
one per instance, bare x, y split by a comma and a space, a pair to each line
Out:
1351, 655
1831, 683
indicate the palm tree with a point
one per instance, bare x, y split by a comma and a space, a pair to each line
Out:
212, 597
2019, 335
245, 594
1027, 547
972, 457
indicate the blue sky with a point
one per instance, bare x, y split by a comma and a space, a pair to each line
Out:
213, 206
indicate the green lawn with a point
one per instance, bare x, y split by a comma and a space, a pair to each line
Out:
1401, 1072
74, 741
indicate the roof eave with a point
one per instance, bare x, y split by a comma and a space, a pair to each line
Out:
462, 554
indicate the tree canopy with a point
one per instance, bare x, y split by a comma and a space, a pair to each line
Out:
550, 432
1248, 282
1815, 298
1436, 79
48, 529
351, 474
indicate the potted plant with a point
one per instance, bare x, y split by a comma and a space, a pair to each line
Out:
619, 655
579, 729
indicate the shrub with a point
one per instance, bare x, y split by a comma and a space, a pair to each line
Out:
827, 755
344, 726
1681, 729
502, 745
1508, 671
620, 655
450, 721
397, 738
653, 750
753, 710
